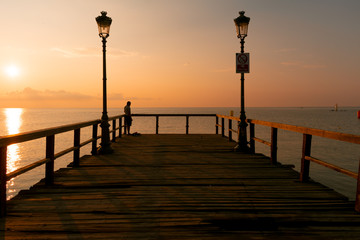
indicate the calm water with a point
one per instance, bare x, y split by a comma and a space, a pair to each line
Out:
345, 120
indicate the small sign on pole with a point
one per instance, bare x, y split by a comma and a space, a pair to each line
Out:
242, 63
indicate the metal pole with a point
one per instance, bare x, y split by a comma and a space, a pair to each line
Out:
105, 133
242, 138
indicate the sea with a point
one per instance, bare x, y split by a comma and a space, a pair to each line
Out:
344, 120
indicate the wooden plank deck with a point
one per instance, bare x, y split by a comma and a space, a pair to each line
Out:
179, 187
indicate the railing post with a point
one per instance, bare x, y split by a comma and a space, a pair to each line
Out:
125, 128
238, 129
305, 164
114, 130
94, 137
274, 132
357, 201
3, 155
120, 127
49, 166
217, 125
230, 128
252, 135
157, 124
222, 127
76, 160
187, 124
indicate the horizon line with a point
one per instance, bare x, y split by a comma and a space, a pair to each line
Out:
339, 107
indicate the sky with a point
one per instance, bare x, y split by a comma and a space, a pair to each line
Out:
167, 53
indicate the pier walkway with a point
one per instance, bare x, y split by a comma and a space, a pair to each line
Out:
179, 187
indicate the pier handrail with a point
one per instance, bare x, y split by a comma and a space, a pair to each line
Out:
186, 115
32, 135
50, 133
306, 147
51, 156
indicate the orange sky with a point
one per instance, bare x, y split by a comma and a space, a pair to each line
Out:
167, 53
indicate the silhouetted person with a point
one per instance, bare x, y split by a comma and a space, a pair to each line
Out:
128, 118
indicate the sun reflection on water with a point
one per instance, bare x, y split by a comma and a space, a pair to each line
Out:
13, 123
13, 119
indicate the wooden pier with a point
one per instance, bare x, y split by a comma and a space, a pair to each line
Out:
179, 187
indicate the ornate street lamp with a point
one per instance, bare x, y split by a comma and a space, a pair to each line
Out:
104, 23
241, 24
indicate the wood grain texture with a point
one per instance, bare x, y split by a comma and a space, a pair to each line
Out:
179, 187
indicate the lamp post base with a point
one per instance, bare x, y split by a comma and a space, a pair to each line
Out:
105, 150
241, 149
242, 144
105, 145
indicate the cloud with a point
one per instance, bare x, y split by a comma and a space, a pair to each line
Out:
118, 52
91, 52
143, 99
32, 98
290, 63
302, 65
116, 96
315, 66
46, 95
78, 52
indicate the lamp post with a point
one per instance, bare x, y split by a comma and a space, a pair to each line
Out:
104, 23
241, 24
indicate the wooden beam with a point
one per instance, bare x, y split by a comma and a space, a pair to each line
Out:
157, 124
357, 201
49, 167
26, 168
252, 135
273, 146
120, 127
351, 138
94, 137
262, 141
76, 161
223, 127
230, 132
27, 136
114, 130
3, 156
332, 166
305, 164
187, 124
217, 125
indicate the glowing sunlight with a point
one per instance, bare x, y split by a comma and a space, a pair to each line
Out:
13, 123
12, 71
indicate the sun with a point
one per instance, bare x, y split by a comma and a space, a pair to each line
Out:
12, 71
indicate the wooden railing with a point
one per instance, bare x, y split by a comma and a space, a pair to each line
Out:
50, 133
51, 156
187, 116
222, 125
306, 146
